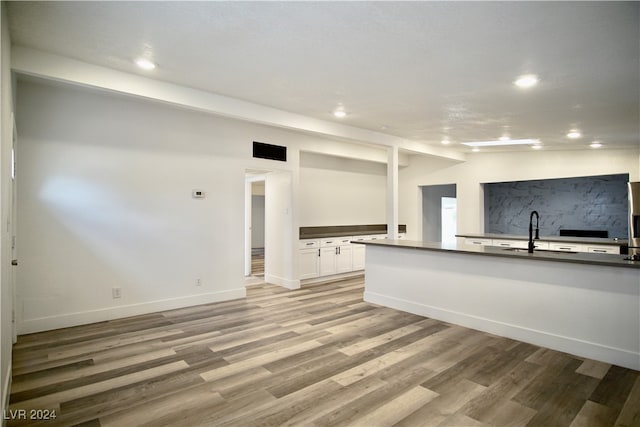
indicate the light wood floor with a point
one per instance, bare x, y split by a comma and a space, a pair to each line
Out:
318, 356
257, 262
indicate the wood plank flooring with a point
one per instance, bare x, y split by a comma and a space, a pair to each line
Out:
257, 262
318, 356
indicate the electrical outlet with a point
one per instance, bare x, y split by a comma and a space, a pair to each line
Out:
198, 282
116, 292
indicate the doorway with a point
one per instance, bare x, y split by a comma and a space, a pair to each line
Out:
257, 228
255, 195
439, 213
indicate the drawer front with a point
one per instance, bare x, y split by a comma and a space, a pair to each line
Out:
539, 245
325, 243
478, 242
603, 249
378, 236
307, 244
565, 247
510, 243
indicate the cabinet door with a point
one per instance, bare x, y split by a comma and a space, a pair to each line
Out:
358, 256
328, 261
308, 263
344, 263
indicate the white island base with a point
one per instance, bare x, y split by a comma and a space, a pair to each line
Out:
591, 311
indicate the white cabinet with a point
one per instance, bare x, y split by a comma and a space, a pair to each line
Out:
309, 263
539, 245
358, 256
336, 256
478, 241
309, 259
344, 261
603, 249
510, 243
328, 260
565, 247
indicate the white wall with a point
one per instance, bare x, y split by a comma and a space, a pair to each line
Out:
498, 167
337, 191
105, 201
6, 142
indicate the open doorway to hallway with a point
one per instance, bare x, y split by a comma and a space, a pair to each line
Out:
254, 223
439, 213
257, 228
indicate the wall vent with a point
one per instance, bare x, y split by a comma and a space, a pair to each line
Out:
269, 151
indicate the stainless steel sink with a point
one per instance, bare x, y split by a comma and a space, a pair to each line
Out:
538, 250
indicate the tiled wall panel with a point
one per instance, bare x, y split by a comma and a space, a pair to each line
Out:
589, 203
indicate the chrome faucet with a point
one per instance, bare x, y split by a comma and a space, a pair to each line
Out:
531, 246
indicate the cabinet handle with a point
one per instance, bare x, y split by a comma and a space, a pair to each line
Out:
505, 244
565, 249
602, 251
309, 244
318, 252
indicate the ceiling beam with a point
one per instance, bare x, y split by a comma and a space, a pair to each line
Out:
54, 67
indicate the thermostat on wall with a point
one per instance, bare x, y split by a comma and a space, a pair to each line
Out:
197, 194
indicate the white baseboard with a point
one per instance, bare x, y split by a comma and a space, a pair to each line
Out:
281, 281
616, 356
332, 277
101, 315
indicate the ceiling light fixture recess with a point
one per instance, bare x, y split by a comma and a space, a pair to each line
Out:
145, 64
499, 142
526, 81
574, 134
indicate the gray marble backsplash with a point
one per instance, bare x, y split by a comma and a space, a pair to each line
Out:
586, 203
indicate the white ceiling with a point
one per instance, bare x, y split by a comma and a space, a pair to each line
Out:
417, 70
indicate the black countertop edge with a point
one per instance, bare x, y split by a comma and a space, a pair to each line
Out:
563, 239
608, 260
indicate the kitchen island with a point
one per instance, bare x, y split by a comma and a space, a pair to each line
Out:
584, 304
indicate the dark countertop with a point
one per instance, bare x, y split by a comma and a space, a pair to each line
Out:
608, 260
563, 239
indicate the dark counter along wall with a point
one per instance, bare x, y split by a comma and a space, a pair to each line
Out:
585, 203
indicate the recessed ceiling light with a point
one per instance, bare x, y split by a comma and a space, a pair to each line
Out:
526, 81
504, 138
536, 146
500, 142
475, 149
445, 141
595, 144
145, 64
340, 114
574, 134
